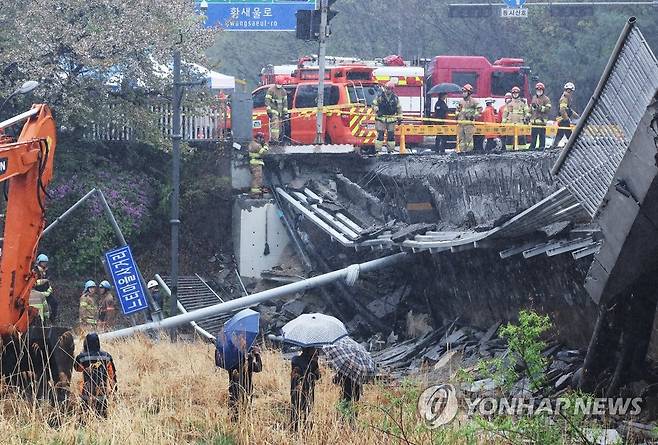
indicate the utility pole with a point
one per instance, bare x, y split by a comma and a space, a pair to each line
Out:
324, 7
176, 137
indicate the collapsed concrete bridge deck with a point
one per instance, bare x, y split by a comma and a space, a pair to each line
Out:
464, 217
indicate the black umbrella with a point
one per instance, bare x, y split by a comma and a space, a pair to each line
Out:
444, 88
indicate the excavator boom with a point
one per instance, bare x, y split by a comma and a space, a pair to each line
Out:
27, 165
34, 357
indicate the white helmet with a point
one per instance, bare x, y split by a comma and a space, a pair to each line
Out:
151, 284
570, 86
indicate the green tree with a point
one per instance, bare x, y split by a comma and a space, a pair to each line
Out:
98, 59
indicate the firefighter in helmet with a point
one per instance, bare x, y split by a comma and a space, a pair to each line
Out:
565, 114
88, 307
468, 111
501, 110
517, 113
276, 104
41, 295
388, 112
539, 109
257, 148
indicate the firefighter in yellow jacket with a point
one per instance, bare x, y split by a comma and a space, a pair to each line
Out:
88, 307
257, 148
516, 112
276, 105
41, 292
565, 114
468, 111
388, 112
540, 107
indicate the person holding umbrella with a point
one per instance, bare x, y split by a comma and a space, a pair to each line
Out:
305, 371
310, 331
441, 111
353, 366
235, 353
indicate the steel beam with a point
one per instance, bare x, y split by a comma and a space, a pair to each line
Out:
253, 299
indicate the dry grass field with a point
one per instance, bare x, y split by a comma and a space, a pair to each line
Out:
173, 394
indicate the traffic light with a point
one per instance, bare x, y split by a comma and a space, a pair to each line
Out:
473, 11
308, 22
304, 24
558, 10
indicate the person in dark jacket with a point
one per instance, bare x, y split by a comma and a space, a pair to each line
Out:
441, 112
304, 373
350, 392
99, 375
240, 380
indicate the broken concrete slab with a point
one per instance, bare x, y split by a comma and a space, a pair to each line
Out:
388, 304
603, 437
563, 382
481, 386
294, 308
411, 231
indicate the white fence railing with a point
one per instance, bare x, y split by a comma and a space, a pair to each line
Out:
208, 124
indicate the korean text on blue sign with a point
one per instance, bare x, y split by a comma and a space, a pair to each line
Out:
128, 286
255, 15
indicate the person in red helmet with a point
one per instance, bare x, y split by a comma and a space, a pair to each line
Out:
257, 148
468, 110
539, 109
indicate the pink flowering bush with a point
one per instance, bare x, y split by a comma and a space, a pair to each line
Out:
77, 245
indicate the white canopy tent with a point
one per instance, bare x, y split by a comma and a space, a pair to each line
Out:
216, 80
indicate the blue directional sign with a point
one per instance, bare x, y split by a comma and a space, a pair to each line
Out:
255, 15
515, 3
128, 286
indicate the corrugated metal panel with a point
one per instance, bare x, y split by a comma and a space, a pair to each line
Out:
596, 151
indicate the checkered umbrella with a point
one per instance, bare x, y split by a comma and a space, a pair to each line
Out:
350, 359
313, 330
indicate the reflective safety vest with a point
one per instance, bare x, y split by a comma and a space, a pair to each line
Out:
88, 309
516, 111
39, 302
565, 111
99, 374
276, 100
387, 106
468, 109
540, 107
256, 152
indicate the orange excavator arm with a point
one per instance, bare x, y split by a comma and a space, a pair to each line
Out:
27, 165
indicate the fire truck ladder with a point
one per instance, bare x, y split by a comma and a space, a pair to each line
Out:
359, 88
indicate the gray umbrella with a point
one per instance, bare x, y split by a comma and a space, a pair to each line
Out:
313, 330
444, 88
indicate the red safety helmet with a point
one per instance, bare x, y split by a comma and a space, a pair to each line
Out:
468, 87
516, 90
540, 86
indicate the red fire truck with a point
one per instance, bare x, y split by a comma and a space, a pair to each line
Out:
414, 79
488, 80
348, 93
